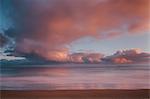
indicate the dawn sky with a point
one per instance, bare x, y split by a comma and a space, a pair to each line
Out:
53, 28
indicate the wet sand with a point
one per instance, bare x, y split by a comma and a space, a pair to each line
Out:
76, 94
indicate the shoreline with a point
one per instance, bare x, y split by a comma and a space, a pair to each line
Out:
76, 94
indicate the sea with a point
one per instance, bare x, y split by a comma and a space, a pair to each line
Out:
75, 77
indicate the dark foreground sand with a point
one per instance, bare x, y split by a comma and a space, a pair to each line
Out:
77, 94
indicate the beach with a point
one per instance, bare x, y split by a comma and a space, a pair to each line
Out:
76, 94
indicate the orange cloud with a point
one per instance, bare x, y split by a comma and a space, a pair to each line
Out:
121, 60
43, 26
129, 56
85, 57
93, 58
77, 57
56, 55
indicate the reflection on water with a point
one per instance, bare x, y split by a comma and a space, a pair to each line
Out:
75, 76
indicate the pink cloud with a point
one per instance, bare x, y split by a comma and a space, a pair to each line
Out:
129, 56
44, 27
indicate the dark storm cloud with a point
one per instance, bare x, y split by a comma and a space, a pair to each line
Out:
3, 40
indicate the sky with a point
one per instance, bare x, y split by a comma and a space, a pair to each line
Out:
53, 29
110, 45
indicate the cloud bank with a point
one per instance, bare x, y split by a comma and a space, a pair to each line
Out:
45, 27
86, 57
129, 56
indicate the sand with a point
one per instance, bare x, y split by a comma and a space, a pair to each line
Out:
76, 94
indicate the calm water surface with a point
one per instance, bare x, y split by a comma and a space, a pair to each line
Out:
75, 76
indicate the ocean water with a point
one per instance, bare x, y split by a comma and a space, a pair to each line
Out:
75, 76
